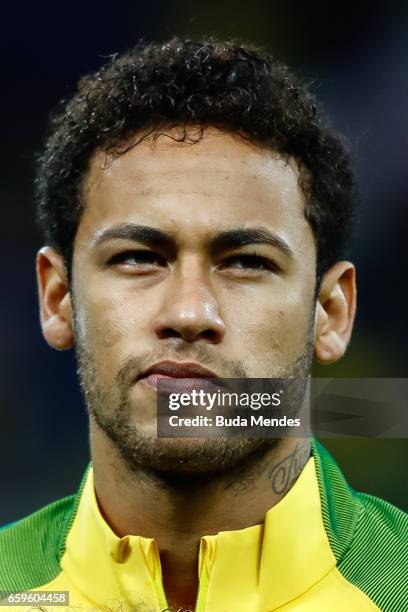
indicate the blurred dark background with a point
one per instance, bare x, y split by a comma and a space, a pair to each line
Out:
357, 57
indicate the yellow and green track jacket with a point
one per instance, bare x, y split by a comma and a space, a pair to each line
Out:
323, 548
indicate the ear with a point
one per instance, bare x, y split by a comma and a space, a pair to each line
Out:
55, 299
335, 312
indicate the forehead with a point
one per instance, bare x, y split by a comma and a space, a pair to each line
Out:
219, 182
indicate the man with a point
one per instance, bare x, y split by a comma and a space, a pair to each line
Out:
195, 209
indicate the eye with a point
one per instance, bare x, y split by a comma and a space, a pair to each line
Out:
250, 262
137, 258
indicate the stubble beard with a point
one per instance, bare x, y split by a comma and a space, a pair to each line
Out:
177, 459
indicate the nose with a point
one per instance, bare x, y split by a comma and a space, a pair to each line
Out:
189, 309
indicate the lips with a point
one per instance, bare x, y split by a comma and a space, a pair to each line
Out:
177, 369
176, 375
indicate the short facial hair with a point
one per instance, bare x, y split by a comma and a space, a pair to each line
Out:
178, 458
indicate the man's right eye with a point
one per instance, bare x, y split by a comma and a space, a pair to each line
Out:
137, 258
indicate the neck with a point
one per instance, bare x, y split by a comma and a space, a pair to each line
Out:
177, 512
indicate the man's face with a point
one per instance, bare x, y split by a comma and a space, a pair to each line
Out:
240, 306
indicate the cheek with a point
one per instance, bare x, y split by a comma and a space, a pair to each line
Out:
109, 324
274, 328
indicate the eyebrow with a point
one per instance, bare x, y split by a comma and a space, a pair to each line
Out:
229, 239
244, 236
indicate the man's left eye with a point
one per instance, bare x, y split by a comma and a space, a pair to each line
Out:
254, 262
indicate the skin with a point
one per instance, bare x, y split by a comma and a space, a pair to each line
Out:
192, 304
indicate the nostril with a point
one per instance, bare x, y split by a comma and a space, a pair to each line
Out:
188, 334
209, 334
168, 332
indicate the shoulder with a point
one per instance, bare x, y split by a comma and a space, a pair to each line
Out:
30, 549
377, 560
368, 536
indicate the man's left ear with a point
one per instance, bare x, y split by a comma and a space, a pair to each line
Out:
335, 312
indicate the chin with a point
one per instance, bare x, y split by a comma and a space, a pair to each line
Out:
145, 453
183, 458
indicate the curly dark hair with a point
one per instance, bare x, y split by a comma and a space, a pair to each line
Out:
237, 88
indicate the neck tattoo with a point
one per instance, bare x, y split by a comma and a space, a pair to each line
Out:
288, 469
